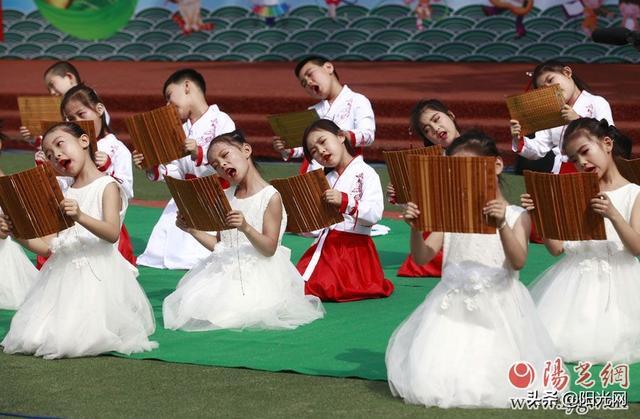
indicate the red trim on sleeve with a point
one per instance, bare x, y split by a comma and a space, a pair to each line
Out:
354, 210
39, 162
344, 203
199, 157
106, 165
291, 153
352, 137
156, 172
520, 143
190, 176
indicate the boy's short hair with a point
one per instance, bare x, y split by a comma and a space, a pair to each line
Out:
315, 59
61, 68
186, 74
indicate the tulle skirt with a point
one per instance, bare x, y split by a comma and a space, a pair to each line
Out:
17, 274
87, 301
589, 303
236, 288
457, 347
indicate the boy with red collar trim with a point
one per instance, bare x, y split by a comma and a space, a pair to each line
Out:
351, 111
169, 247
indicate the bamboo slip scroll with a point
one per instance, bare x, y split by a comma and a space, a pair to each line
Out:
562, 205
32, 200
302, 199
201, 201
291, 126
158, 135
399, 169
34, 109
86, 125
537, 109
452, 191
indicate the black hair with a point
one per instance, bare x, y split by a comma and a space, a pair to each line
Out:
475, 141
325, 125
186, 74
89, 98
415, 126
555, 66
61, 68
235, 138
74, 130
315, 59
478, 143
599, 129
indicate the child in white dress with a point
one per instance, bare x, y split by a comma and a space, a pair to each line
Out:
456, 348
18, 273
248, 281
589, 299
86, 300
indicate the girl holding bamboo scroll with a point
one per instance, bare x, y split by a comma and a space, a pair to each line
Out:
86, 300
457, 347
248, 280
589, 299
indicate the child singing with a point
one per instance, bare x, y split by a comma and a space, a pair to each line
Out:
589, 299
248, 281
86, 300
169, 247
343, 264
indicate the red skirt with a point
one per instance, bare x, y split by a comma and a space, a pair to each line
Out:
348, 269
411, 269
124, 247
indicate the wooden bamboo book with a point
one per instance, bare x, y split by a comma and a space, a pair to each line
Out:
158, 135
291, 126
201, 201
86, 125
562, 205
34, 109
537, 109
452, 191
302, 199
399, 168
32, 200
629, 169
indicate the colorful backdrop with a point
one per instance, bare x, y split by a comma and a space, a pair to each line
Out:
272, 30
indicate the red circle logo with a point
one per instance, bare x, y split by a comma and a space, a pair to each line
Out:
521, 374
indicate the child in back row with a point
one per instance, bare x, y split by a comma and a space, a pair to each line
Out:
343, 263
58, 79
435, 124
18, 273
169, 247
86, 300
248, 281
589, 299
112, 156
457, 347
578, 103
351, 111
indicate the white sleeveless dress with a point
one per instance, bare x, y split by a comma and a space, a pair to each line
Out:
589, 300
456, 348
87, 300
17, 274
237, 287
